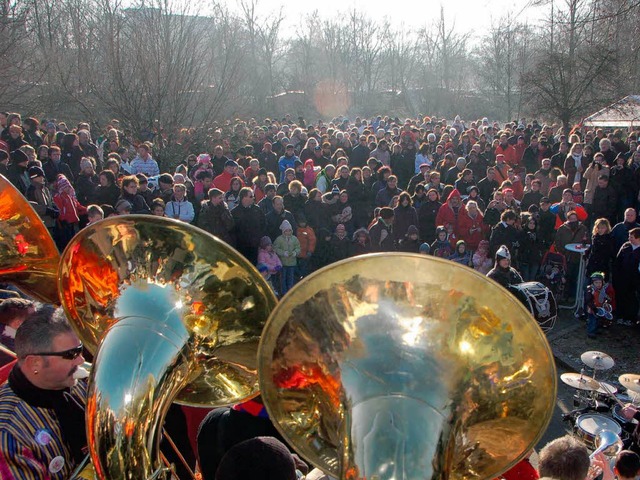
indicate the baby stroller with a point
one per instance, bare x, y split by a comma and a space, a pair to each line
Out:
553, 272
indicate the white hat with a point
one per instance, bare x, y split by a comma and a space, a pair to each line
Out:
285, 225
503, 252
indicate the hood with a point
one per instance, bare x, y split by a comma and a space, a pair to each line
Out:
454, 193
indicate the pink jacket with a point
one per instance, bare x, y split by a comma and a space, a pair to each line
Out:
270, 259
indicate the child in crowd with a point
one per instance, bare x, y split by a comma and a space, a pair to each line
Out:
410, 243
288, 248
441, 247
268, 259
70, 211
307, 238
461, 255
94, 214
157, 207
598, 296
481, 259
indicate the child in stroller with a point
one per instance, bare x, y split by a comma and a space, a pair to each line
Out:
553, 273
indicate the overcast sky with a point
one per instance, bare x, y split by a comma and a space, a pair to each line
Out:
473, 16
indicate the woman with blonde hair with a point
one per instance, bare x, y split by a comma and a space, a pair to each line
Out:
602, 251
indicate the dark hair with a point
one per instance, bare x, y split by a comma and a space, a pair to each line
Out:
508, 215
38, 332
14, 307
403, 196
628, 464
244, 192
109, 175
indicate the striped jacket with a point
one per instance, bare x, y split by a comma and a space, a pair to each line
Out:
31, 445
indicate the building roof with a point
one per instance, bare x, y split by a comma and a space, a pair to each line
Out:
623, 113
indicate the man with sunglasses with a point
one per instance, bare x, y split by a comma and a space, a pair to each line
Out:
42, 421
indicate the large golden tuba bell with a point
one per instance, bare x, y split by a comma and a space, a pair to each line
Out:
401, 366
28, 256
177, 315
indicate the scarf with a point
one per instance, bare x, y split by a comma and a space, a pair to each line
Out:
577, 159
69, 412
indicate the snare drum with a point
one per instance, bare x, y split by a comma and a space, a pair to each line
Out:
590, 424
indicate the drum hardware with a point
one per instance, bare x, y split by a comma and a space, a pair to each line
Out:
604, 387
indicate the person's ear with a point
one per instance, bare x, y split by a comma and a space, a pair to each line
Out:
33, 364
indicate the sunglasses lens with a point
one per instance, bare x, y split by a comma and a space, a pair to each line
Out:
73, 353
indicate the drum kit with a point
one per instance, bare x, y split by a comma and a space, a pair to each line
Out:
598, 405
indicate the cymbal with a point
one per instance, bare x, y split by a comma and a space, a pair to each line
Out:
597, 360
610, 388
630, 381
582, 382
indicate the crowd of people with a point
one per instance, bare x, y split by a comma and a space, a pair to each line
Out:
293, 197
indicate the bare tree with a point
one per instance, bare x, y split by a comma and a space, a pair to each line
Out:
570, 78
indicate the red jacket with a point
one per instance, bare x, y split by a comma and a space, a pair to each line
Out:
447, 215
70, 208
467, 224
509, 153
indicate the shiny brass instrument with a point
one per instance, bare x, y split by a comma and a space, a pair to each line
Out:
402, 366
28, 256
609, 443
177, 315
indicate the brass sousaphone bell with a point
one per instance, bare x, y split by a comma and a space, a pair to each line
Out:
177, 315
28, 256
402, 366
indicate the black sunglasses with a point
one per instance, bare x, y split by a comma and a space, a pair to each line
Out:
70, 354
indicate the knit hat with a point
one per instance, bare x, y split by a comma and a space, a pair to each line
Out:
18, 156
123, 206
265, 241
285, 225
204, 158
503, 252
412, 230
597, 276
36, 172
259, 458
424, 248
62, 182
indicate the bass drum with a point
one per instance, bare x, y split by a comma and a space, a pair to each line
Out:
540, 301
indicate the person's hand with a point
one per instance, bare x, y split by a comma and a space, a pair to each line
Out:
594, 472
600, 462
628, 411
